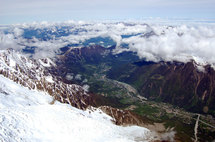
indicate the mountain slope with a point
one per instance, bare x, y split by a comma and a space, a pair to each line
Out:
35, 75
180, 84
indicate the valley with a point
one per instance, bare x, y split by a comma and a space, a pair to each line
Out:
118, 77
171, 117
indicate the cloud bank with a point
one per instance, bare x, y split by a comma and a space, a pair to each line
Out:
180, 43
153, 41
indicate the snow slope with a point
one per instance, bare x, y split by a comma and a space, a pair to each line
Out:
28, 116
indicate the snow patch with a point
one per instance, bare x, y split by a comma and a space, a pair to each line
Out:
12, 63
49, 79
69, 76
46, 62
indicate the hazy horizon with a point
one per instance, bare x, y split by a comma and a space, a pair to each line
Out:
27, 11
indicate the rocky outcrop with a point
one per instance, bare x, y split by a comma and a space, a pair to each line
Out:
121, 117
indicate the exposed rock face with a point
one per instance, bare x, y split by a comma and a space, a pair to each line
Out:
121, 117
35, 75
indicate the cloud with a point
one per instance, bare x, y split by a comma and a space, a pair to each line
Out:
69, 76
78, 77
153, 42
86, 87
18, 32
10, 41
179, 43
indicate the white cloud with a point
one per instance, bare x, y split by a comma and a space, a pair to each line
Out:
69, 76
168, 43
10, 41
180, 43
86, 87
18, 32
78, 77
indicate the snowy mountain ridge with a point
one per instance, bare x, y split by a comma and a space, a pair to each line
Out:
34, 75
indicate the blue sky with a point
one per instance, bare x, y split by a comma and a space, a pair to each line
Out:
19, 11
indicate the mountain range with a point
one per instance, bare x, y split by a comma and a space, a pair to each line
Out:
154, 82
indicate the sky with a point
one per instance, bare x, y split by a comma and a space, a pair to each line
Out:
20, 11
